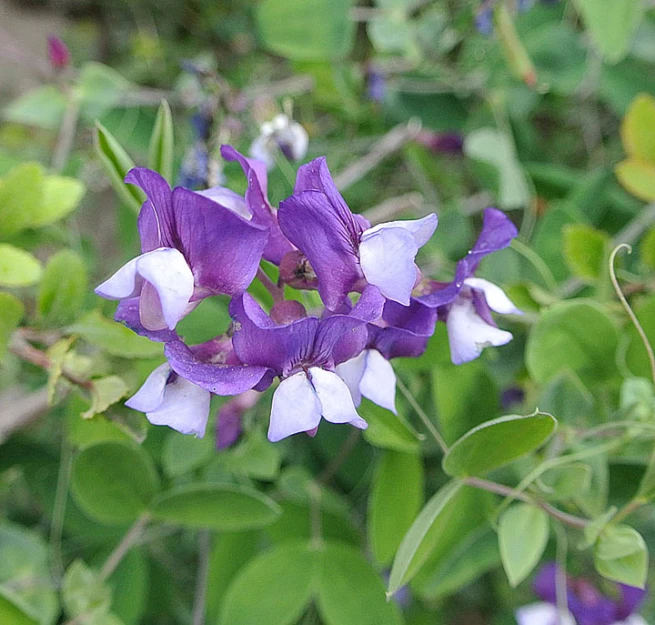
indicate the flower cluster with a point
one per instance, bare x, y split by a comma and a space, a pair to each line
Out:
586, 605
377, 305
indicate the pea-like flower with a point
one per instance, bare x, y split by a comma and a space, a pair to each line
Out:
192, 247
281, 133
344, 251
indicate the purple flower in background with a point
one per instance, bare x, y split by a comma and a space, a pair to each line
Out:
465, 304
303, 354
376, 84
442, 142
586, 604
58, 53
192, 247
230, 416
484, 22
344, 251
283, 134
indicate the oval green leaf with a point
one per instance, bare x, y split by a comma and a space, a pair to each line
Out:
11, 312
63, 288
497, 443
522, 537
18, 267
160, 155
113, 482
225, 508
621, 555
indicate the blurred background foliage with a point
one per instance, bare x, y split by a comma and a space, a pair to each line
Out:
544, 109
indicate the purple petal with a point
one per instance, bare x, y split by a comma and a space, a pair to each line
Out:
156, 220
631, 599
335, 398
229, 199
222, 249
296, 408
545, 583
127, 312
311, 223
58, 53
370, 305
219, 379
387, 260
230, 417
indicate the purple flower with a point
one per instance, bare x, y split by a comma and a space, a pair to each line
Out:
376, 84
303, 354
442, 142
344, 251
283, 134
465, 304
586, 604
192, 247
230, 415
58, 53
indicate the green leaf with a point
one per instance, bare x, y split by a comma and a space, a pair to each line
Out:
43, 107
11, 312
21, 196
255, 457
18, 267
116, 163
422, 536
522, 537
621, 555
638, 178
160, 154
312, 30
56, 355
647, 249
388, 430
395, 500
646, 490
63, 289
274, 588
491, 146
61, 196
636, 357
84, 593
638, 399
130, 587
99, 88
344, 569
113, 482
594, 528
611, 24
105, 392
566, 482
113, 337
638, 129
182, 454
26, 587
225, 508
585, 251
577, 335
498, 442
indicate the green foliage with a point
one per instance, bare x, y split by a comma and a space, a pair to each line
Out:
622, 556
105, 392
496, 443
160, 154
522, 536
63, 288
18, 267
11, 312
585, 251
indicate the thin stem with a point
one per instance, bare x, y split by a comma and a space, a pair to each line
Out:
315, 515
59, 507
424, 417
276, 292
560, 575
628, 309
537, 262
129, 540
346, 449
202, 578
508, 491
66, 135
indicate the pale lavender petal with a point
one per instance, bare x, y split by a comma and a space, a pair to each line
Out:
420, 229
263, 149
167, 271
635, 619
370, 305
156, 220
127, 312
151, 394
219, 379
122, 284
335, 399
310, 222
542, 614
351, 373
378, 383
387, 259
296, 408
495, 296
185, 408
468, 334
222, 249
229, 199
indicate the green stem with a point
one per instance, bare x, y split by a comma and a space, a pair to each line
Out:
59, 507
537, 262
202, 578
129, 540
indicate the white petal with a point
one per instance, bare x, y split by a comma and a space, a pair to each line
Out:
635, 619
122, 284
420, 229
296, 138
228, 198
387, 257
296, 408
542, 614
351, 373
336, 401
469, 334
185, 408
495, 296
263, 149
379, 381
151, 394
167, 270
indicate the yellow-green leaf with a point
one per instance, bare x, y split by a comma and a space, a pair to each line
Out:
11, 312
638, 128
18, 267
638, 178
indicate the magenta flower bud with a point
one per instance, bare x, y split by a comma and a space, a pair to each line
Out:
58, 53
